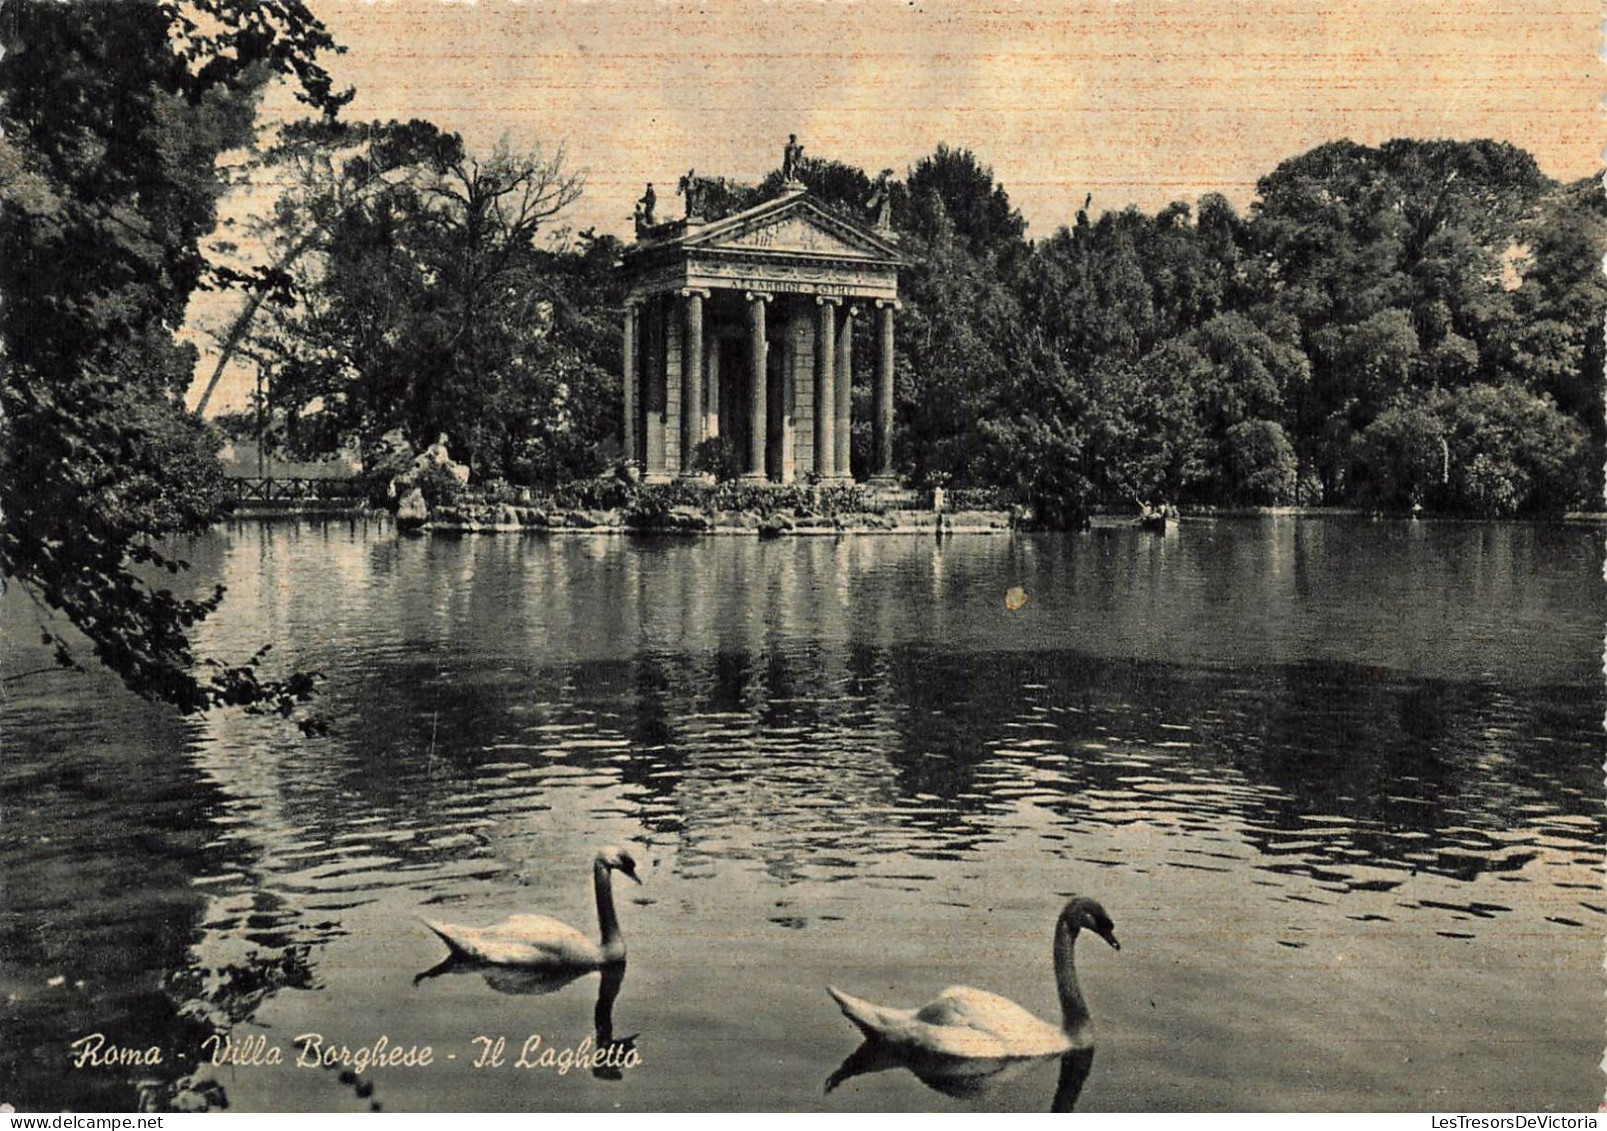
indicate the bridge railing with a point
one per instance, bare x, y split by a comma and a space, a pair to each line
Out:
292, 489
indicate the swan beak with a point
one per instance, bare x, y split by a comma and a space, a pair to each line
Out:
632, 875
1110, 937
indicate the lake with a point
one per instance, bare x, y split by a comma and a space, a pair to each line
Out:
1338, 782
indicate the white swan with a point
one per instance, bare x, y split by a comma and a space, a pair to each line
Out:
537, 942
963, 1024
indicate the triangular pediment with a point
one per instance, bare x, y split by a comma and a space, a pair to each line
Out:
800, 233
795, 226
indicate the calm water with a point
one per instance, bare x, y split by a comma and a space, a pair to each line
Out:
1337, 782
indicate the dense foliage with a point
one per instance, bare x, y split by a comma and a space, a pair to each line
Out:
1416, 324
1375, 304
114, 116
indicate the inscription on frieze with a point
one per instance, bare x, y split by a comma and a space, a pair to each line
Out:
866, 284
794, 286
763, 275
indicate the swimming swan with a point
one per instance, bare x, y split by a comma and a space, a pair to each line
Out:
537, 942
962, 1023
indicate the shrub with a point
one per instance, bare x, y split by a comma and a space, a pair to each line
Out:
1261, 463
439, 485
763, 499
719, 457
980, 498
1402, 456
499, 491
605, 493
648, 510
1512, 452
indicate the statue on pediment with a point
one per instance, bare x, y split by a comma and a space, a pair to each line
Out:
791, 159
644, 211
693, 192
879, 206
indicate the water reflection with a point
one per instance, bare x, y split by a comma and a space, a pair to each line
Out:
619, 1048
833, 752
965, 1079
106, 831
612, 1052
519, 980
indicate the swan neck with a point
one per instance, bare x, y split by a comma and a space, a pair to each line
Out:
607, 921
1072, 1007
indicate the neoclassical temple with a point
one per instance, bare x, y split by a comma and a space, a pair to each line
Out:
743, 327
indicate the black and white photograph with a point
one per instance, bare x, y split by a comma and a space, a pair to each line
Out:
954, 557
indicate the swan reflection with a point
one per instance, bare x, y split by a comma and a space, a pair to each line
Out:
603, 1023
965, 1078
515, 980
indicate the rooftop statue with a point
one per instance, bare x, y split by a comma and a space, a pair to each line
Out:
791, 158
880, 202
644, 211
693, 192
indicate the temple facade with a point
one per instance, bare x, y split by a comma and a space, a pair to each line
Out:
743, 327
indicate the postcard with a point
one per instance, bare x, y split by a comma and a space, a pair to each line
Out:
952, 557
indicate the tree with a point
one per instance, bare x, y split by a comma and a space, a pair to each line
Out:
479, 220
979, 209
834, 183
580, 357
1260, 461
114, 117
1403, 458
960, 344
1135, 308
1554, 345
329, 168
1041, 448
1493, 450
966, 347
1511, 452
1150, 444
427, 308
1395, 263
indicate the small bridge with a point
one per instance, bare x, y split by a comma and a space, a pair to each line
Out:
254, 492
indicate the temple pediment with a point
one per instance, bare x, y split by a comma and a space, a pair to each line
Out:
792, 233
799, 226
791, 244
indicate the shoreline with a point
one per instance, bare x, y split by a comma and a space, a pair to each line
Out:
898, 522
689, 521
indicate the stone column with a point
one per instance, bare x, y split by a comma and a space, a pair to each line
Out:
882, 414
826, 386
711, 386
758, 385
843, 431
655, 394
691, 377
784, 400
627, 430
